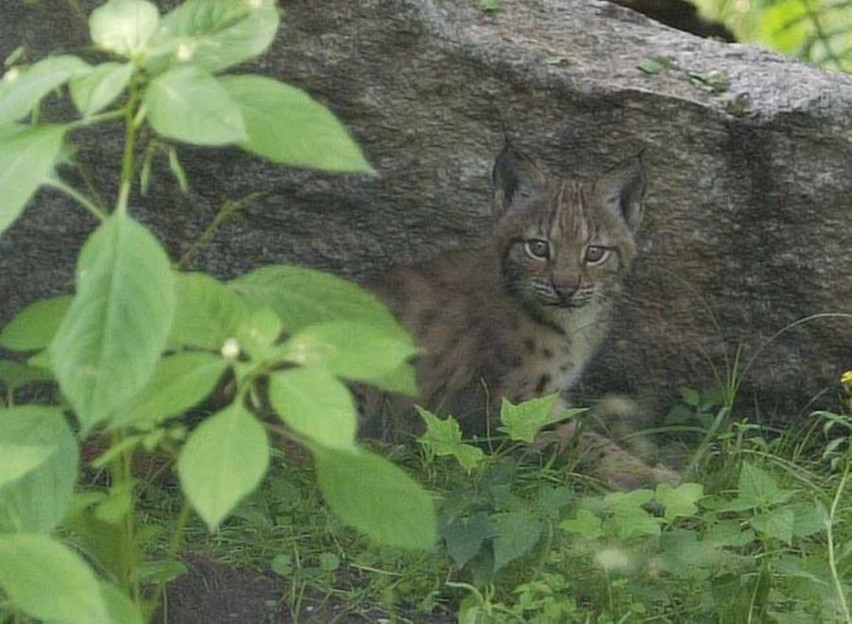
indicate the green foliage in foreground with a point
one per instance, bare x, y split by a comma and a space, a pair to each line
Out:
766, 536
141, 342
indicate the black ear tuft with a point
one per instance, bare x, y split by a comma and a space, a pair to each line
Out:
513, 176
622, 188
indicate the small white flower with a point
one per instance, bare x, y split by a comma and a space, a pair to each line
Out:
12, 75
231, 349
257, 4
185, 52
612, 559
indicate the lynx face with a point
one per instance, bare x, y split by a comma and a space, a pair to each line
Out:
565, 244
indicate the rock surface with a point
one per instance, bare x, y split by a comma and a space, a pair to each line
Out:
749, 217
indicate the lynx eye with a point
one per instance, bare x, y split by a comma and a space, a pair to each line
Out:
595, 254
537, 248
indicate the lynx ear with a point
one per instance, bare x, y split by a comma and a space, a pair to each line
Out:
513, 176
622, 189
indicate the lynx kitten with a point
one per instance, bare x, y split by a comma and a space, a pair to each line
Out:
521, 316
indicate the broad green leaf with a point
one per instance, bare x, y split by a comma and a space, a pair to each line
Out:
39, 500
14, 375
465, 535
758, 486
258, 335
207, 312
401, 381
808, 519
22, 88
681, 553
47, 580
178, 383
515, 534
287, 126
188, 104
522, 422
97, 89
302, 297
112, 336
17, 460
216, 34
349, 349
124, 26
222, 462
27, 158
34, 327
316, 405
629, 516
679, 501
778, 523
443, 437
586, 524
120, 608
376, 497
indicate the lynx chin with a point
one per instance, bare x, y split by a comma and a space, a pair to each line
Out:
522, 315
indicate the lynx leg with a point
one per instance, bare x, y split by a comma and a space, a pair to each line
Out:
607, 461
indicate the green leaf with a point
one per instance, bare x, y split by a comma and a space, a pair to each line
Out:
316, 405
586, 524
97, 89
443, 437
303, 297
38, 500
188, 104
465, 535
680, 501
15, 375
34, 327
22, 88
18, 460
112, 336
649, 66
758, 486
48, 581
401, 380
629, 516
349, 349
27, 158
778, 523
179, 382
207, 312
120, 608
808, 519
259, 333
222, 462
515, 534
287, 126
376, 497
216, 34
124, 26
522, 422
684, 555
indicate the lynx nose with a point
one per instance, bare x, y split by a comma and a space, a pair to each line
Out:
566, 290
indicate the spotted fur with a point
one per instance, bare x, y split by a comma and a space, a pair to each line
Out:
522, 315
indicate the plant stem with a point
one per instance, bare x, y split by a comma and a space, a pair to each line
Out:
121, 474
228, 210
99, 213
127, 163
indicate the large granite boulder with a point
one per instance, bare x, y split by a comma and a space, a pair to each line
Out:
749, 217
